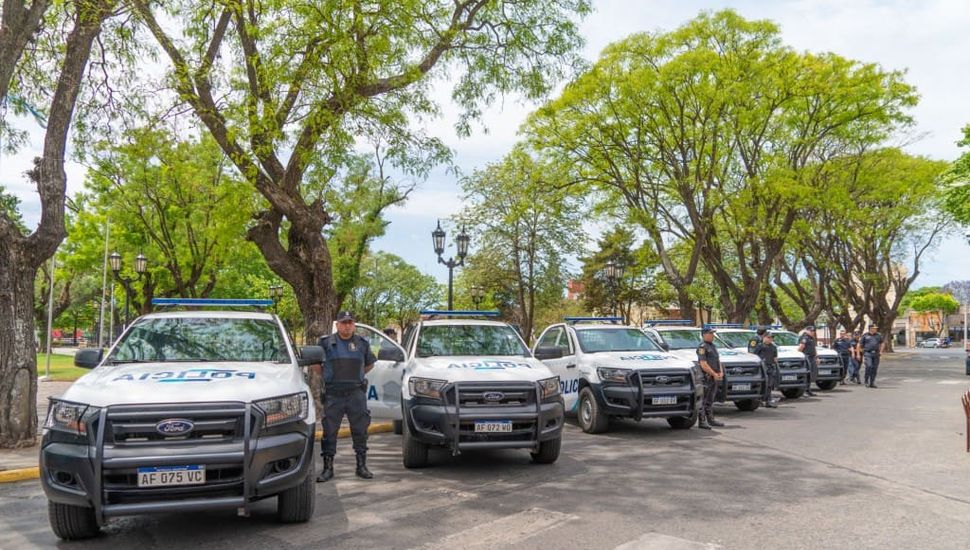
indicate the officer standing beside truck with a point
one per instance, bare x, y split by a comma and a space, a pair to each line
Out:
843, 346
870, 347
347, 357
768, 352
710, 362
807, 345
855, 359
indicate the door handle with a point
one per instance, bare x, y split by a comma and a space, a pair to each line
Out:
572, 366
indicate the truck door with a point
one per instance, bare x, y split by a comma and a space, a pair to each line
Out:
564, 367
384, 380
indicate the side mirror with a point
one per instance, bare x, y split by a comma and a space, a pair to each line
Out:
88, 358
665, 347
310, 355
543, 353
390, 354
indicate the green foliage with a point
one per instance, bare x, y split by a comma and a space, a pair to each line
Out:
392, 291
635, 289
957, 178
935, 301
9, 207
906, 303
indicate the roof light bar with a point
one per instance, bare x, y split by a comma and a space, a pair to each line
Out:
460, 313
661, 322
211, 302
723, 325
574, 320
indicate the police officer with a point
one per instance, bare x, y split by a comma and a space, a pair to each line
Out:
768, 352
756, 341
807, 345
347, 358
843, 346
870, 347
855, 360
710, 363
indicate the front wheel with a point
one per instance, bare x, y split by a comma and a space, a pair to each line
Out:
793, 393
72, 522
398, 427
415, 453
591, 419
748, 404
548, 451
826, 384
683, 422
296, 505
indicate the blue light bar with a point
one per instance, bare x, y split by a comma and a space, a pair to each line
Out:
723, 325
768, 327
211, 302
460, 313
659, 322
593, 319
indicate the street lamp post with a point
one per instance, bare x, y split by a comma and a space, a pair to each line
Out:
141, 264
461, 241
614, 272
276, 293
478, 293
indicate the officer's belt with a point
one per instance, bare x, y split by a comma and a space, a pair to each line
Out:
343, 390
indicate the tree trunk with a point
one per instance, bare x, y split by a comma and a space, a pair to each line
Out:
18, 358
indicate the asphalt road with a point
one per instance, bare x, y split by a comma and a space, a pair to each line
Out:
853, 468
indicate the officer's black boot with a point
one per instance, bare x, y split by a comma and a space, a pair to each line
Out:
714, 423
362, 471
327, 473
702, 423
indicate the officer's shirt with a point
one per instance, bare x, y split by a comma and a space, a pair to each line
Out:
344, 360
707, 352
842, 345
809, 342
853, 343
753, 344
767, 352
870, 342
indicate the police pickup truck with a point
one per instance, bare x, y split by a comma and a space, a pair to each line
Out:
830, 368
608, 370
792, 365
744, 378
470, 383
189, 410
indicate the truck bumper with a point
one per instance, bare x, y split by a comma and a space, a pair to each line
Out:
654, 402
830, 369
741, 388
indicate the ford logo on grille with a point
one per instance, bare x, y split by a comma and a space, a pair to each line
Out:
493, 396
663, 379
737, 370
174, 426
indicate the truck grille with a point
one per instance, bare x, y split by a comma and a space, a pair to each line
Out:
654, 379
515, 394
791, 364
829, 361
136, 425
743, 370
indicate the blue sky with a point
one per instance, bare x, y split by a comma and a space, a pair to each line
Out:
928, 38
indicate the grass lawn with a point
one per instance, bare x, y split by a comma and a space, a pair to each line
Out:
62, 367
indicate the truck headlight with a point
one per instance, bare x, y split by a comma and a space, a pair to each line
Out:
612, 375
426, 387
66, 416
285, 408
550, 387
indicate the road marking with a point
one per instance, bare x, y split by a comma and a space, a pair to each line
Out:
911, 380
951, 382
659, 541
502, 532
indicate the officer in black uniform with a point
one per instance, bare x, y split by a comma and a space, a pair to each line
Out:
756, 341
768, 352
347, 358
843, 346
870, 347
855, 360
710, 362
807, 345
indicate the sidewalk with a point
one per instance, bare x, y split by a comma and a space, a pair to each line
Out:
27, 458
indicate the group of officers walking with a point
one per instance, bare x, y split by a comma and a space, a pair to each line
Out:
854, 352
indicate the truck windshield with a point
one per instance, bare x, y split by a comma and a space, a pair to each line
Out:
201, 339
446, 340
687, 338
629, 339
785, 338
738, 339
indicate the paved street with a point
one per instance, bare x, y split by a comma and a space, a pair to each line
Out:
852, 468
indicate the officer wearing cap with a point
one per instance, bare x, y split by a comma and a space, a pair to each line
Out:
756, 341
347, 357
807, 345
843, 346
870, 347
855, 360
710, 362
768, 352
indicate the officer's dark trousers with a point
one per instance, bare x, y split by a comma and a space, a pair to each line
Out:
845, 365
812, 370
710, 393
872, 366
771, 379
853, 368
337, 403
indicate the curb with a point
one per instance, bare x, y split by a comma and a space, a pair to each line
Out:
25, 474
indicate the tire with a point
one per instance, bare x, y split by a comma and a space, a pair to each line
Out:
398, 427
548, 451
591, 419
748, 405
683, 422
414, 453
72, 522
826, 384
296, 504
793, 393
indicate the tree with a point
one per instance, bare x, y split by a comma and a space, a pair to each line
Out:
957, 179
719, 136
635, 289
318, 78
392, 291
21, 253
526, 226
938, 303
959, 290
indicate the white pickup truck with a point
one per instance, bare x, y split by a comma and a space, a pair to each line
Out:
189, 410
792, 365
608, 370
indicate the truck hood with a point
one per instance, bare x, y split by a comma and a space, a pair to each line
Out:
480, 369
821, 351
636, 360
184, 383
727, 356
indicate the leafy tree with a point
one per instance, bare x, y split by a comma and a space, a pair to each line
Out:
938, 303
959, 290
635, 289
21, 254
526, 227
284, 87
392, 291
957, 178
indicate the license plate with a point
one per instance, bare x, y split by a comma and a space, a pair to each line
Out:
498, 426
741, 387
825, 372
664, 400
171, 476
789, 377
